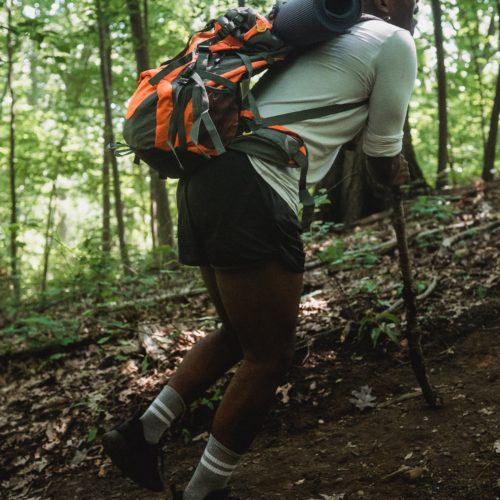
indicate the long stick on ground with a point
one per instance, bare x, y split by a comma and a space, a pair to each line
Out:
412, 333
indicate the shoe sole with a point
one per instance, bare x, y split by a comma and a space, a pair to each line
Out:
117, 450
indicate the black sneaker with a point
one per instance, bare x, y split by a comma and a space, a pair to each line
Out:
133, 455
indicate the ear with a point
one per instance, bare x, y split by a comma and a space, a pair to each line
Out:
383, 6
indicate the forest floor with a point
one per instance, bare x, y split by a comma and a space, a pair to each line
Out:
317, 443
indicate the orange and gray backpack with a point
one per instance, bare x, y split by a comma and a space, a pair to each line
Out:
199, 103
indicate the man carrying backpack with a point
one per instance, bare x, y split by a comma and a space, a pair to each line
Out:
238, 223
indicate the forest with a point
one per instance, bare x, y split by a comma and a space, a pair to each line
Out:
96, 312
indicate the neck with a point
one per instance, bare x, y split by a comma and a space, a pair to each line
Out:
369, 8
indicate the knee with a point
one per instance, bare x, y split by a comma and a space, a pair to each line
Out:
229, 338
273, 365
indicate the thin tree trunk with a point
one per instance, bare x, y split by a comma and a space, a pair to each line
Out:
16, 282
241, 3
491, 144
418, 182
160, 208
473, 36
442, 96
104, 49
106, 205
49, 235
49, 227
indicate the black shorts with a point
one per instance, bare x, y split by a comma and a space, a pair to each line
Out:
230, 218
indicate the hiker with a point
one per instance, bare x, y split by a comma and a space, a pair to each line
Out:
238, 223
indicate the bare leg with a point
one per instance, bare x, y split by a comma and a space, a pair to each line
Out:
212, 356
262, 305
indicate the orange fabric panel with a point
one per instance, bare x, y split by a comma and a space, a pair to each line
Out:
144, 89
235, 74
163, 114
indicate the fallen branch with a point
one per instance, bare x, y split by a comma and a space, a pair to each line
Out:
422, 296
409, 296
306, 342
381, 249
400, 399
178, 294
449, 242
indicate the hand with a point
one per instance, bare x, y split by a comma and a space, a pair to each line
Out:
400, 171
387, 171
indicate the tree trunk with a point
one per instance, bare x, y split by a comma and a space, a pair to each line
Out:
418, 183
442, 97
49, 227
15, 278
160, 208
491, 144
49, 235
106, 205
105, 49
351, 192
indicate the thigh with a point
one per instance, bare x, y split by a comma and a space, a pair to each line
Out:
262, 305
208, 275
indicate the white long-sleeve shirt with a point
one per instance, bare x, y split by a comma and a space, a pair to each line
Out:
376, 60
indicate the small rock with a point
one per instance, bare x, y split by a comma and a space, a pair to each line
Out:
496, 488
414, 474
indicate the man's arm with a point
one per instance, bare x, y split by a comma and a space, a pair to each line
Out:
395, 73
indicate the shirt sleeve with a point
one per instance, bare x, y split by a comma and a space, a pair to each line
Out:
395, 73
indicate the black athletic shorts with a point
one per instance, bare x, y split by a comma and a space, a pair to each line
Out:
230, 218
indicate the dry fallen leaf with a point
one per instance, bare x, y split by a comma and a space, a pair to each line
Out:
363, 398
496, 446
283, 392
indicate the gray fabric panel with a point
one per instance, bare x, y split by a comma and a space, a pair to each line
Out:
140, 129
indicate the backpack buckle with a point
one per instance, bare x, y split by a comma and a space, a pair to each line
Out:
261, 26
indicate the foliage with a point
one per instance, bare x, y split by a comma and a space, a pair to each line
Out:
379, 325
37, 330
362, 256
436, 207
59, 146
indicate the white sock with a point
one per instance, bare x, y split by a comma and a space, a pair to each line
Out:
163, 411
213, 472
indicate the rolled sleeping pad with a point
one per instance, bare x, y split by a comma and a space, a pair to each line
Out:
305, 22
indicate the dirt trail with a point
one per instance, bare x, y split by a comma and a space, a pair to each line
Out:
323, 447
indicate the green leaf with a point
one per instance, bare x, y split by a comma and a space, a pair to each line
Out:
103, 340
92, 434
389, 317
392, 334
375, 335
144, 365
56, 356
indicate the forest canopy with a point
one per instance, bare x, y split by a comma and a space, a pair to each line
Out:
62, 60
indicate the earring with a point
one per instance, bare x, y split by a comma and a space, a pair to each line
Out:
387, 19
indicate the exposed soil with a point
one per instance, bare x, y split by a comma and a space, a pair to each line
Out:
316, 444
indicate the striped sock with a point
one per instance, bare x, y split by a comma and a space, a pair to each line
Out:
213, 472
163, 410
